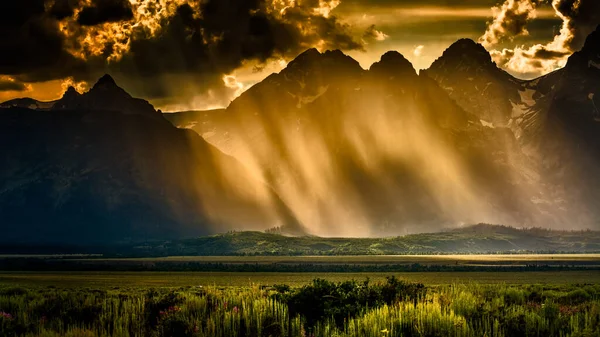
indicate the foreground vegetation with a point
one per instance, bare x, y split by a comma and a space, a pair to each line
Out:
109, 280
310, 264
391, 307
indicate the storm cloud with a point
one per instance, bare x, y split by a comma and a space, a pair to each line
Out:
510, 21
372, 33
8, 84
32, 47
149, 43
579, 19
101, 11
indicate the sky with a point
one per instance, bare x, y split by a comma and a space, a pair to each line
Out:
201, 54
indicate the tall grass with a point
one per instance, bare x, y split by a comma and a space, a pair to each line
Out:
455, 310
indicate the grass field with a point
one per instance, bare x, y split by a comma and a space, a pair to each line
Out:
468, 259
158, 305
182, 279
507, 303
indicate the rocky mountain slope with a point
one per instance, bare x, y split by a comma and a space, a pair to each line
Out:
378, 152
554, 118
103, 167
470, 77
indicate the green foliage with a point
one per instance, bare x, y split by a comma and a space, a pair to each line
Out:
323, 299
477, 239
322, 308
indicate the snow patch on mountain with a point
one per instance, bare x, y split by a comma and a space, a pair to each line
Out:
525, 104
487, 124
303, 100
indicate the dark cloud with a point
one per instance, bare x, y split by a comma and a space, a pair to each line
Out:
547, 54
579, 19
12, 86
583, 18
62, 9
102, 11
371, 33
14, 14
195, 44
31, 45
221, 39
510, 21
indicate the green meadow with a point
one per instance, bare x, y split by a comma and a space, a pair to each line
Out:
81, 304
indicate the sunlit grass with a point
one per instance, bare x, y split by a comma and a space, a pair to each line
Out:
103, 280
462, 309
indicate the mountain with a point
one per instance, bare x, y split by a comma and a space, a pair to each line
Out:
107, 96
373, 152
103, 167
205, 123
553, 118
562, 129
28, 103
470, 77
323, 147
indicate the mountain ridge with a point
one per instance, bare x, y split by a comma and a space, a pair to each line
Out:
343, 150
105, 167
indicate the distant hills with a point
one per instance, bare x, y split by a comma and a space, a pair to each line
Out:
477, 239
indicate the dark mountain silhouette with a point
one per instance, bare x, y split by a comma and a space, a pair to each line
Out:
28, 103
103, 167
105, 95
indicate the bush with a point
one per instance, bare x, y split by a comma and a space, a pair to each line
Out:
157, 305
577, 296
174, 323
324, 299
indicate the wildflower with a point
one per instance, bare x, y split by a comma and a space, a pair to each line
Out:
384, 331
225, 305
235, 309
6, 315
196, 328
43, 320
174, 309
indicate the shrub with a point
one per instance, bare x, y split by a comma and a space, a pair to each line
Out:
157, 305
577, 296
324, 299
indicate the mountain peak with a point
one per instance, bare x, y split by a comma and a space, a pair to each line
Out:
466, 43
71, 91
329, 63
465, 51
106, 81
105, 95
312, 57
467, 47
309, 54
393, 62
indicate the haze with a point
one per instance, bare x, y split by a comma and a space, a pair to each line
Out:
332, 118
